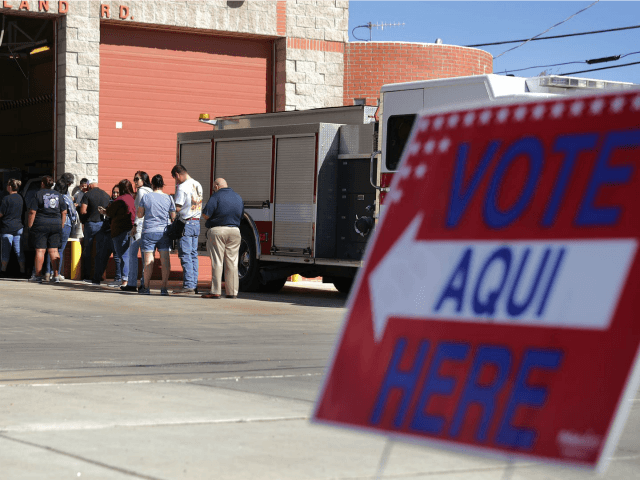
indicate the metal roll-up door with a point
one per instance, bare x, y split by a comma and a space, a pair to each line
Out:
196, 158
295, 172
155, 83
246, 166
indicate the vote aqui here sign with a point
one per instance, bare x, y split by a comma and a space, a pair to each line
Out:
499, 306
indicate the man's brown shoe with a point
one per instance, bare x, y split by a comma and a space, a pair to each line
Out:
184, 290
210, 295
232, 296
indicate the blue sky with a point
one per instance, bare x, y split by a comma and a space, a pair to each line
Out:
467, 23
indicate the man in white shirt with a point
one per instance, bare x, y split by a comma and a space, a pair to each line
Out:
188, 199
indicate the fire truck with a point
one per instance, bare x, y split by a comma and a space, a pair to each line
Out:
314, 181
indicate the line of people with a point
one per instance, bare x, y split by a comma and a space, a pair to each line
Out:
135, 218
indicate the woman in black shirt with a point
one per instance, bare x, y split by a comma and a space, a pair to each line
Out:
11, 226
47, 215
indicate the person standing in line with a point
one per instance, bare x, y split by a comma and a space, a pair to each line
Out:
104, 243
223, 213
158, 210
82, 189
188, 199
143, 186
69, 178
92, 219
122, 214
62, 187
46, 217
11, 230
4, 193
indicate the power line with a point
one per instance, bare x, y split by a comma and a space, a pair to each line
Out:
555, 36
554, 26
596, 69
611, 58
541, 66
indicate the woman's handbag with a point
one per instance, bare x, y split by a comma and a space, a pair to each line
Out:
76, 229
175, 230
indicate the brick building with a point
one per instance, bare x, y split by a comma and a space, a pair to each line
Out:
369, 65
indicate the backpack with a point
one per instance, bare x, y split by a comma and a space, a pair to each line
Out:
72, 213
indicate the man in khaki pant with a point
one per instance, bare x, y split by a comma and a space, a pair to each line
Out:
223, 213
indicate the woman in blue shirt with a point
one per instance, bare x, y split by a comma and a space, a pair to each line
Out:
158, 210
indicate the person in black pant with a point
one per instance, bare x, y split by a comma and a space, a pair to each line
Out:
104, 243
92, 220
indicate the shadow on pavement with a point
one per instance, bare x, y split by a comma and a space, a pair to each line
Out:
308, 295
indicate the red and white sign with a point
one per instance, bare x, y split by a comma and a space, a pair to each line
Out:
498, 307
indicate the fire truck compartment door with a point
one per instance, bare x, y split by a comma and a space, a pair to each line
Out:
294, 208
196, 158
246, 166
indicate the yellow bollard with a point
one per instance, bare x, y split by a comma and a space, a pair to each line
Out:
76, 252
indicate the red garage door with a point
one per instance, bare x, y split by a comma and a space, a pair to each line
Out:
154, 84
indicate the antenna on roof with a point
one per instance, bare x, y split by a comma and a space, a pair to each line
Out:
371, 26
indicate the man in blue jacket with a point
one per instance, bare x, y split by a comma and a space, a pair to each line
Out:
223, 213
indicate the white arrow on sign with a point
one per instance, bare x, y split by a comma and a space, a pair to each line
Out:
567, 284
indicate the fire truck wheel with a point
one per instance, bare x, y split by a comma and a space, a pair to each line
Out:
343, 284
273, 286
248, 270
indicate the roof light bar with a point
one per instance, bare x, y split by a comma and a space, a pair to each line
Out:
573, 82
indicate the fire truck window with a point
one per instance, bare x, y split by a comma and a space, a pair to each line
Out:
398, 130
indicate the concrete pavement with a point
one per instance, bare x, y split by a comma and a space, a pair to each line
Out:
101, 384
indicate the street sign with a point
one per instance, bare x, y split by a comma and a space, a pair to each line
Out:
497, 311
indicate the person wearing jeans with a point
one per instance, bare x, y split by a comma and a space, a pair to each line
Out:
90, 213
121, 259
143, 186
66, 233
188, 254
11, 227
91, 230
10, 241
104, 249
188, 200
122, 215
62, 186
158, 211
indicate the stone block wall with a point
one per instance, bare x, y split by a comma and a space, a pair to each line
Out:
310, 62
249, 16
78, 95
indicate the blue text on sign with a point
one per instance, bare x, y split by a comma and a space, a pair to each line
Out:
420, 420
531, 150
490, 287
